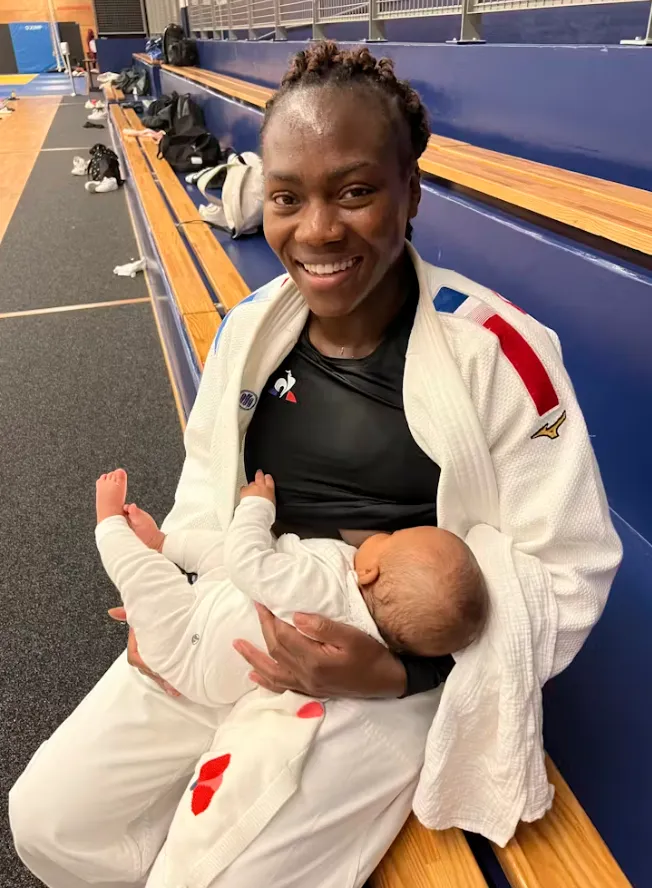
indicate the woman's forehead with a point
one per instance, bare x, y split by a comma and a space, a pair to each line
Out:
328, 127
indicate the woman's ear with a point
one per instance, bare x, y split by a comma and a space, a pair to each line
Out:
367, 575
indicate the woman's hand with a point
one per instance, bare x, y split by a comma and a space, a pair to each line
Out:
335, 661
133, 657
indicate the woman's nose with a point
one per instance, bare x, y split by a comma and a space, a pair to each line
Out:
319, 224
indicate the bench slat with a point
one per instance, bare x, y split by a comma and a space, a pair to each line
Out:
188, 289
563, 850
147, 59
602, 189
423, 858
549, 200
222, 275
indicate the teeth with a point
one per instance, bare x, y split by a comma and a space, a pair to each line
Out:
329, 268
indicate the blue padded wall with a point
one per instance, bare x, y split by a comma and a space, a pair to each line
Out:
32, 42
561, 105
116, 53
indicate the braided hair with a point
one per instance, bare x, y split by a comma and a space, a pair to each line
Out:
325, 64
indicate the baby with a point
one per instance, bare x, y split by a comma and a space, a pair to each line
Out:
422, 586
417, 590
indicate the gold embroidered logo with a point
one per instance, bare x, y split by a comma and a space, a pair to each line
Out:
551, 431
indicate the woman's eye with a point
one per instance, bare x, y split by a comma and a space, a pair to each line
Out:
356, 192
284, 200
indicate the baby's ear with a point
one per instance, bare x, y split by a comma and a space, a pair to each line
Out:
367, 575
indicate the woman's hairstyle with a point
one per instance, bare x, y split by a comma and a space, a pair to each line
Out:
325, 64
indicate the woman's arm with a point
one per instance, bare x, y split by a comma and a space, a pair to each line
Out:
553, 505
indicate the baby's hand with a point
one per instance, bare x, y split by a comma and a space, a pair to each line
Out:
262, 485
144, 526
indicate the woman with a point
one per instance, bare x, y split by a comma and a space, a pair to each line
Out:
374, 410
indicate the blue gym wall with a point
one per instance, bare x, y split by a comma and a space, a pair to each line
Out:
598, 716
116, 53
562, 105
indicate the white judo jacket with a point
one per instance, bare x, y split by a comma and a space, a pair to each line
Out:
487, 397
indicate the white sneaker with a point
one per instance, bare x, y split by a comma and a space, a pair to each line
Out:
102, 187
97, 115
79, 166
92, 104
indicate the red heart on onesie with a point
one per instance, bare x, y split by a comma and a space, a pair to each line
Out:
314, 709
208, 782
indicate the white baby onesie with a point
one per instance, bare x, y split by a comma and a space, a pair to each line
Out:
258, 753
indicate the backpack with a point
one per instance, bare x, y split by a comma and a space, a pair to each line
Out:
240, 211
131, 79
187, 114
104, 164
177, 49
191, 149
160, 114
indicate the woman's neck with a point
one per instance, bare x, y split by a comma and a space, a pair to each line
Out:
359, 333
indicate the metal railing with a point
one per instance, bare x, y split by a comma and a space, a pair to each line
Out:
263, 17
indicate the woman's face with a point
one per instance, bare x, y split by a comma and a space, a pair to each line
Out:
337, 196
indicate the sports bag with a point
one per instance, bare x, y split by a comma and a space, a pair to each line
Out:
240, 211
104, 164
189, 150
177, 49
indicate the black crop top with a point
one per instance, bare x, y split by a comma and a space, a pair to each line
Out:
333, 434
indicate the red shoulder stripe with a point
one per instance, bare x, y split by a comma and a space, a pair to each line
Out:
526, 362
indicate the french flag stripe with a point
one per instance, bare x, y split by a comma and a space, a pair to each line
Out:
526, 363
448, 300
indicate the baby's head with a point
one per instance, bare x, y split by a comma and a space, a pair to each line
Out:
424, 590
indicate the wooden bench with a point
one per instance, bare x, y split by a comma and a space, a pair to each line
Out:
609, 210
563, 850
150, 177
111, 94
147, 59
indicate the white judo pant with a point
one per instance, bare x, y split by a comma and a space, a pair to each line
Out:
94, 805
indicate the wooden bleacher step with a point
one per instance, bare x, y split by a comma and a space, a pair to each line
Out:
563, 850
192, 299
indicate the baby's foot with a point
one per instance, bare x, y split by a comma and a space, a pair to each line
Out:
110, 494
144, 526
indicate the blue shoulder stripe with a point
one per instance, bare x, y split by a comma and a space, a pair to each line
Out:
448, 300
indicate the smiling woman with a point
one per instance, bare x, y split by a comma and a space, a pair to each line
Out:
381, 394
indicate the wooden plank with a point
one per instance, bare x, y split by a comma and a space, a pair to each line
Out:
563, 850
547, 200
423, 858
230, 86
147, 59
188, 289
601, 188
202, 327
221, 273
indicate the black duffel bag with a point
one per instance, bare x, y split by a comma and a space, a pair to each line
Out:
190, 150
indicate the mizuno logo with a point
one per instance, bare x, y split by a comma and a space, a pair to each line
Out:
551, 431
